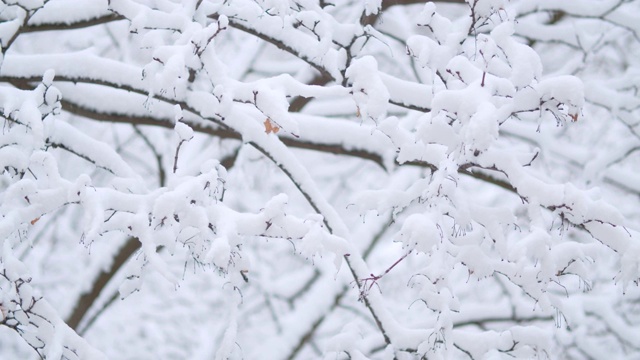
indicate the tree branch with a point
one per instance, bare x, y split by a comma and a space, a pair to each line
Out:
53, 26
87, 299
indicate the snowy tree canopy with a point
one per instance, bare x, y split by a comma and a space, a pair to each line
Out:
301, 179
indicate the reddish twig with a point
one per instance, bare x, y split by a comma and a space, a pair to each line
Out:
374, 278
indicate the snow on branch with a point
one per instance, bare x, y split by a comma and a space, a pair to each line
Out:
301, 179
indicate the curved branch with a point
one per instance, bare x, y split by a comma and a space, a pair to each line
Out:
325, 75
280, 44
222, 130
88, 298
79, 24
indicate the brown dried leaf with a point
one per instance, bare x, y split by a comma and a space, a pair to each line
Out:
574, 117
270, 127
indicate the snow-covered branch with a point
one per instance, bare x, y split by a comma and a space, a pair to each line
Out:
319, 179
